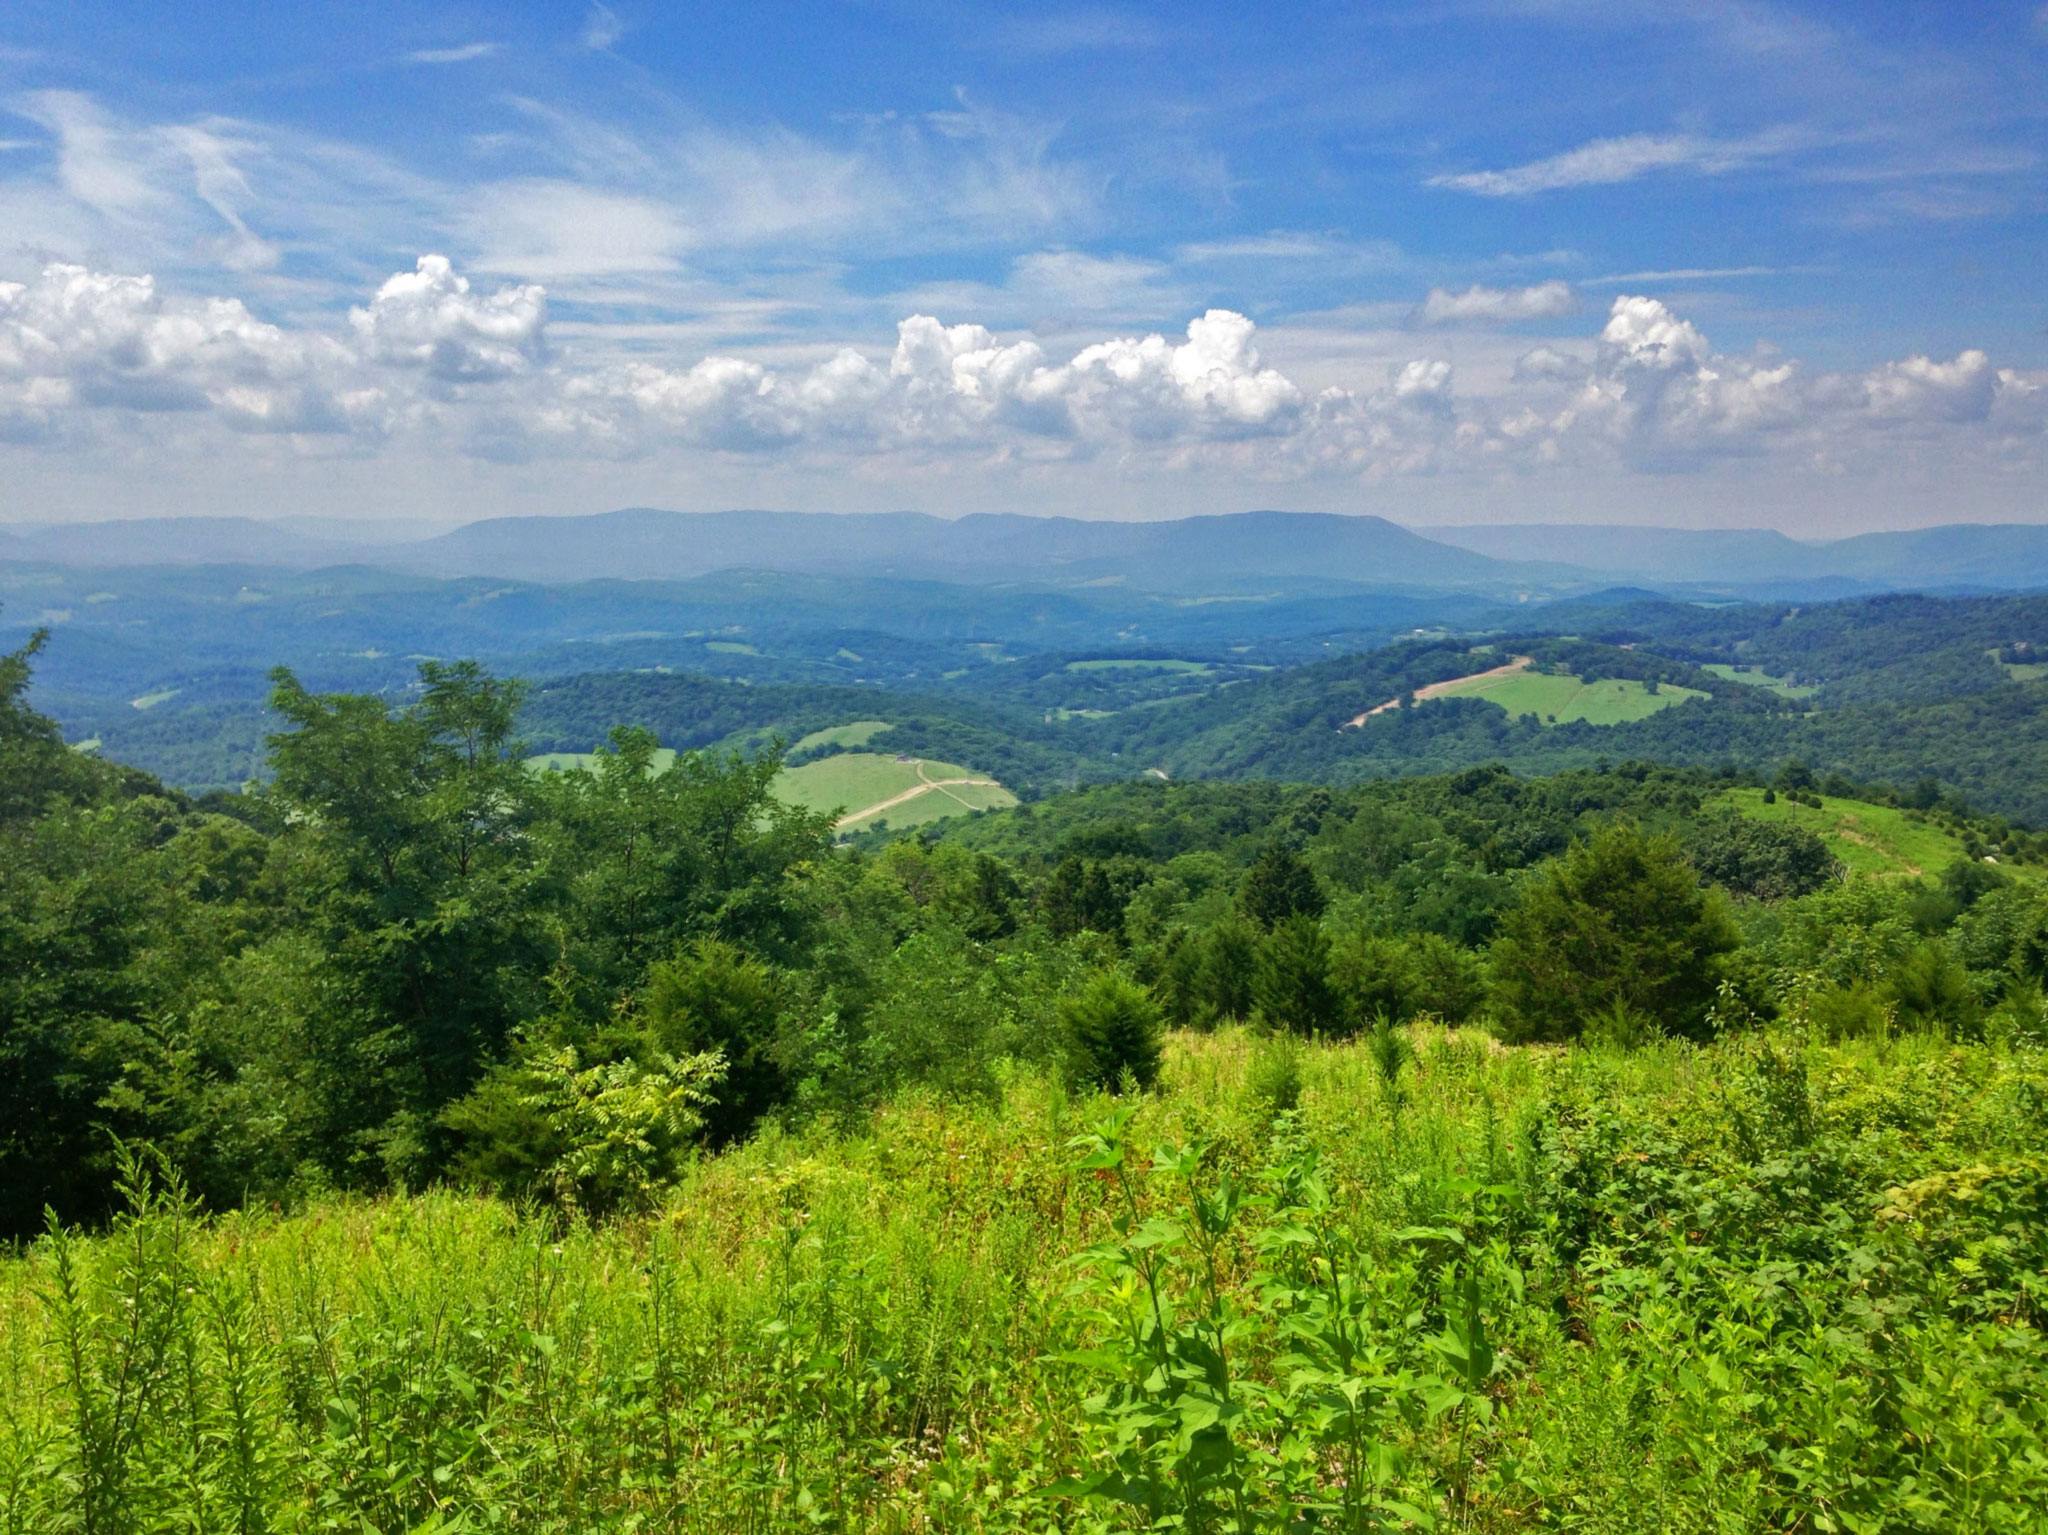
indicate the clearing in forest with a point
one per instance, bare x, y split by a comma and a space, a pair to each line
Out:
1439, 689
858, 733
1869, 839
1562, 700
1554, 700
867, 787
1782, 686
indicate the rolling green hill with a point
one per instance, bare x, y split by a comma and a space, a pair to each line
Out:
1867, 838
1566, 699
865, 789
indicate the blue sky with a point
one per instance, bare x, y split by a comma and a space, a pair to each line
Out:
1710, 263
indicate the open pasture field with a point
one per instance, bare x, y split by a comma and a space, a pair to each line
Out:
1869, 839
1754, 678
867, 786
1562, 700
857, 733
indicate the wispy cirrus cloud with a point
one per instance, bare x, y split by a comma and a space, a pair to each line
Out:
462, 53
1688, 274
595, 198
602, 28
1053, 33
1604, 162
101, 162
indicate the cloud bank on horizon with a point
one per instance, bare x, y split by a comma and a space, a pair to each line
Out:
1064, 261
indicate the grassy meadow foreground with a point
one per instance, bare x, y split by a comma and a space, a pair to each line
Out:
1421, 1281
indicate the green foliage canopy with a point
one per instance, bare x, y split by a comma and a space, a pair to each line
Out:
1619, 922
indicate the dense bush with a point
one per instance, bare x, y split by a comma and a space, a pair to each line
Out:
1619, 922
1761, 860
1292, 985
1112, 1026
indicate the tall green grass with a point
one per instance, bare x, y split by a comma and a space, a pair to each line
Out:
1769, 1284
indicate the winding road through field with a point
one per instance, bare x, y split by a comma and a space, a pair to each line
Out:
1438, 689
942, 785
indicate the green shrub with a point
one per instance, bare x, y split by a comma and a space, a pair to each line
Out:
1292, 984
1112, 1026
593, 1136
1279, 886
1230, 967
1761, 860
1849, 1012
712, 998
1620, 920
1931, 990
1274, 1080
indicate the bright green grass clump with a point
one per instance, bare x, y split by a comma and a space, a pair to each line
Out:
867, 786
1562, 700
1869, 839
1771, 1284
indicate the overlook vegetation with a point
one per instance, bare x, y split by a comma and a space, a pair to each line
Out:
421, 1141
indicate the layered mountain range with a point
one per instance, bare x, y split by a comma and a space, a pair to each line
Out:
1246, 552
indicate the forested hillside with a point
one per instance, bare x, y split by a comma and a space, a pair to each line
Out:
1048, 689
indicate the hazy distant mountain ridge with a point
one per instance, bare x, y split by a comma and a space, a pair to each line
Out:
1234, 552
1241, 552
2000, 556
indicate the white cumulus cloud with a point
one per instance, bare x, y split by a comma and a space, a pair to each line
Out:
1658, 394
81, 339
457, 369
429, 318
1479, 305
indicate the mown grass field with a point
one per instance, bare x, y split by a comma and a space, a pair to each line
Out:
1562, 700
1778, 685
856, 733
866, 787
1772, 1284
1869, 839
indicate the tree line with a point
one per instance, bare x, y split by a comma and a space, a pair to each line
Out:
408, 959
